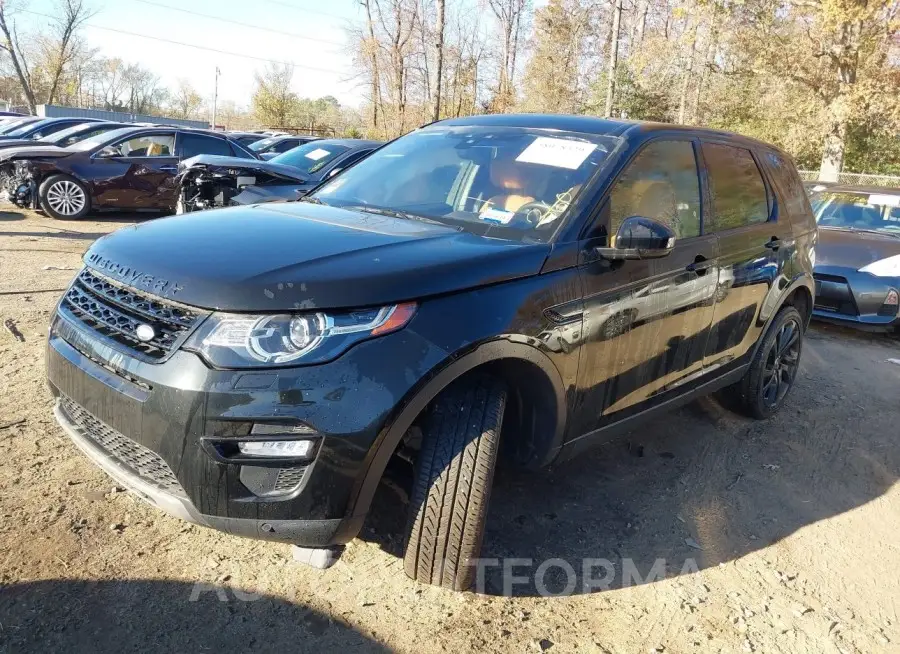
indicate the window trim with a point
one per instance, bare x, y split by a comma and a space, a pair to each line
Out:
137, 136
771, 203
601, 214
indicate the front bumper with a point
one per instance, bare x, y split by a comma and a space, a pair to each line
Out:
124, 414
847, 296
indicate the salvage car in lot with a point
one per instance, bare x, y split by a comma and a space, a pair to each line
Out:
858, 258
272, 146
208, 181
44, 127
125, 169
440, 306
64, 137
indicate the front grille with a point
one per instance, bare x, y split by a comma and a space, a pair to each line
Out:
144, 463
116, 312
288, 479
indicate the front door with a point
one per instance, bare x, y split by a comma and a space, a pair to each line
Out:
754, 244
140, 176
646, 322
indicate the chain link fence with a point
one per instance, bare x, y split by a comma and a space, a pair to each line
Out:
856, 179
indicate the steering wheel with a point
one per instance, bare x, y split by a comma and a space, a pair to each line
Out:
532, 212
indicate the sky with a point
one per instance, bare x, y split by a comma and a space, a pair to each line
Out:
311, 34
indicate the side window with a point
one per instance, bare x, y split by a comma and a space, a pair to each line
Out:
736, 187
353, 158
149, 145
194, 144
284, 146
794, 197
660, 183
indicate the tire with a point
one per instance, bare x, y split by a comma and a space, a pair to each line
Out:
64, 198
452, 483
778, 357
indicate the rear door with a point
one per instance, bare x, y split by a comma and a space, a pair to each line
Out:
646, 321
140, 175
755, 243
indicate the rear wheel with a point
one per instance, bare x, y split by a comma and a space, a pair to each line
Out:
772, 372
64, 198
454, 472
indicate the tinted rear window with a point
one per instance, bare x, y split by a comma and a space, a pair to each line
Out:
736, 187
790, 189
194, 144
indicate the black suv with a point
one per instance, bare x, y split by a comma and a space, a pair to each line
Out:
497, 287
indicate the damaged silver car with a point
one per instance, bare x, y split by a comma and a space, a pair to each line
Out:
209, 182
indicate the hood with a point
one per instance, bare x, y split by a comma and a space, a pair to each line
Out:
18, 143
290, 256
25, 152
218, 164
853, 248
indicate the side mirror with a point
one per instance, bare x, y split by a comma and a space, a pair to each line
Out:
107, 152
640, 238
334, 172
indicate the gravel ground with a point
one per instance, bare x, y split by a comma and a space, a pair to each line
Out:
748, 536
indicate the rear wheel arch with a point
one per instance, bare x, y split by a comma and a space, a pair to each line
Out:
536, 410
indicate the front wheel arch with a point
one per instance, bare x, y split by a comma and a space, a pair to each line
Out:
499, 357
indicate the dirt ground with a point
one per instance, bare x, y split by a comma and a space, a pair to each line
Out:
750, 536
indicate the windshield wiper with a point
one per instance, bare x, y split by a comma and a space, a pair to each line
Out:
381, 211
312, 200
868, 231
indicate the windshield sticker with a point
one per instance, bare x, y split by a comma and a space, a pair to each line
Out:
317, 154
498, 216
887, 200
559, 153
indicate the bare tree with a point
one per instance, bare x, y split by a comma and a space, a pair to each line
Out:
613, 58
13, 47
371, 48
509, 14
62, 44
439, 57
185, 101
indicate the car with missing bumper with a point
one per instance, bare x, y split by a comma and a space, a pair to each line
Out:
435, 310
857, 268
132, 168
207, 181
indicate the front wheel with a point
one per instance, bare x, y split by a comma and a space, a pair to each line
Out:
772, 372
64, 198
454, 472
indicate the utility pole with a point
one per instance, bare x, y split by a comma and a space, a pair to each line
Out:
613, 58
215, 97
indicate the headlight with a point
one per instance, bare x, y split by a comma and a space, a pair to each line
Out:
233, 340
889, 267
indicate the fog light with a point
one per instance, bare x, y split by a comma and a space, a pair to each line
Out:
297, 449
892, 299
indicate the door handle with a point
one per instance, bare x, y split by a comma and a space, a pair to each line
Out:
169, 169
699, 266
774, 244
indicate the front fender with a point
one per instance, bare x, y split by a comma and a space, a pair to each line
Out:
502, 348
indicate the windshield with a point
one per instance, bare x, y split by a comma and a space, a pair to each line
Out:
262, 145
879, 212
22, 128
63, 134
101, 139
13, 124
508, 182
310, 157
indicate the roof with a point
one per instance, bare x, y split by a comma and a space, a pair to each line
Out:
596, 125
